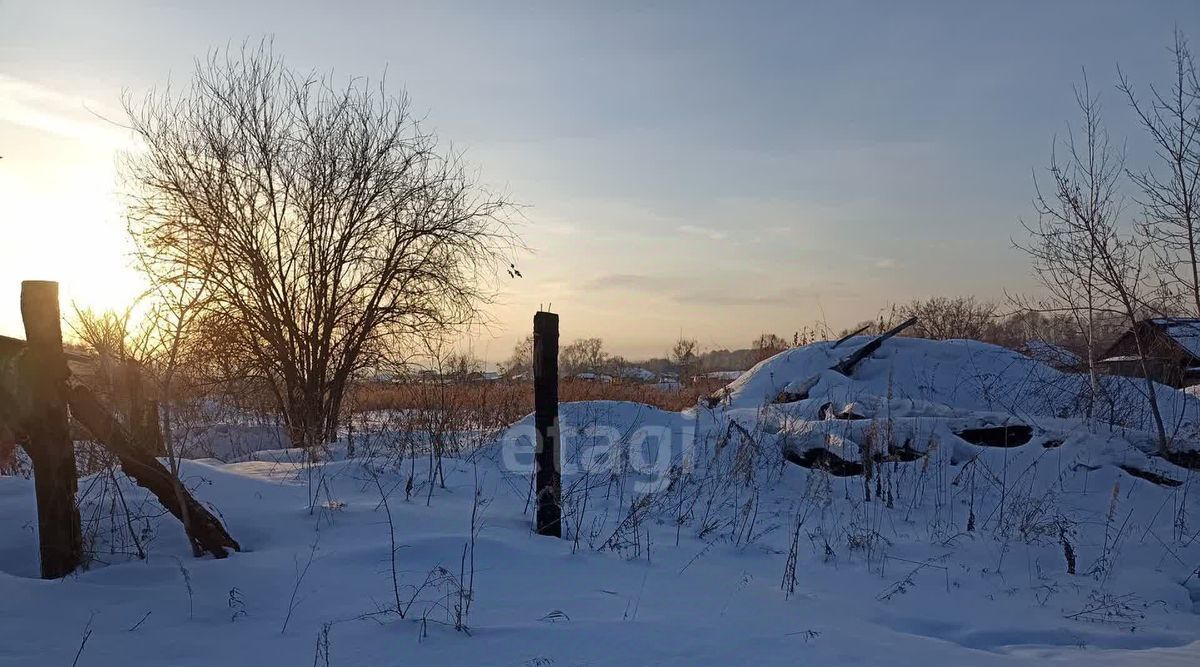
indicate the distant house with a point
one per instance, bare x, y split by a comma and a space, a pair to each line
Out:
727, 376
636, 374
668, 382
1172, 350
385, 378
589, 376
485, 376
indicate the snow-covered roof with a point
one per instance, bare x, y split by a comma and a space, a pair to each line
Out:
636, 373
1185, 331
595, 377
722, 375
1120, 358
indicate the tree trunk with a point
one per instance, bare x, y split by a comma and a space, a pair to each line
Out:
1164, 443
304, 423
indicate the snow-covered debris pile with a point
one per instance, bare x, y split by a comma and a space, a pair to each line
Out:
963, 374
1054, 355
928, 390
938, 503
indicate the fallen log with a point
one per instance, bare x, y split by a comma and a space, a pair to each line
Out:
204, 530
823, 459
1189, 458
1152, 477
819, 458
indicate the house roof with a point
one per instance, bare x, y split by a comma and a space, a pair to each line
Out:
722, 375
636, 373
1184, 331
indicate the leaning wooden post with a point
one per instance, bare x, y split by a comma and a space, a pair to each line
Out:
50, 447
547, 476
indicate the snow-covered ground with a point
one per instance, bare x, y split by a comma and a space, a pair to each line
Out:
691, 538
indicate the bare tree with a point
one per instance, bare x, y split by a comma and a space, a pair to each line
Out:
1087, 265
767, 345
105, 332
683, 355
1065, 244
584, 354
326, 217
1170, 195
521, 360
945, 318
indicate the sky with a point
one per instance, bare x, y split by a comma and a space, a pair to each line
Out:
712, 170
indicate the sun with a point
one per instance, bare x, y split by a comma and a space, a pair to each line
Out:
63, 222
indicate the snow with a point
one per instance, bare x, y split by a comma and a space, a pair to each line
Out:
1049, 353
636, 373
721, 375
678, 533
1185, 332
594, 377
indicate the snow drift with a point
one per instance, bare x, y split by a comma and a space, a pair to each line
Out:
943, 503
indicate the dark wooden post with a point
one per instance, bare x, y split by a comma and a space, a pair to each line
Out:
50, 447
547, 476
143, 412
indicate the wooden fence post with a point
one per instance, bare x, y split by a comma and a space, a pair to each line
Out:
547, 476
143, 412
56, 480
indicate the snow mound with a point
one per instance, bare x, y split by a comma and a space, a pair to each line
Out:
599, 436
913, 377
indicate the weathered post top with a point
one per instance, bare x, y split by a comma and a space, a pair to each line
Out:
40, 312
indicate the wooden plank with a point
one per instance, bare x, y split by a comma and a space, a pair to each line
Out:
850, 335
846, 366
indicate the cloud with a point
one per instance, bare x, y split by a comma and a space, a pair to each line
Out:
713, 234
788, 296
685, 291
44, 109
634, 281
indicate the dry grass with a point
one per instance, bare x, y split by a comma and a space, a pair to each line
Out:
507, 402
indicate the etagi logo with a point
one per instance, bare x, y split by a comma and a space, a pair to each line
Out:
648, 455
